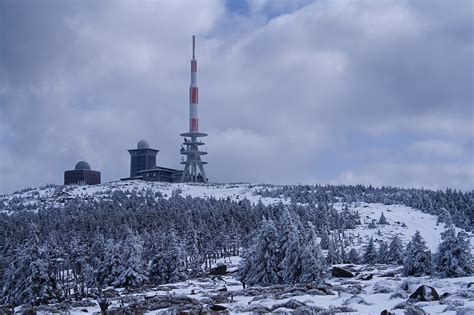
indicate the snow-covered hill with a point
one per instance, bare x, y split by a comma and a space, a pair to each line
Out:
31, 199
372, 289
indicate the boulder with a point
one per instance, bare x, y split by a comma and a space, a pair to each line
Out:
366, 277
341, 273
355, 300
385, 312
425, 293
470, 285
217, 308
219, 270
444, 295
390, 274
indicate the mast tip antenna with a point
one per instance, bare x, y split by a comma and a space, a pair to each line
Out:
194, 44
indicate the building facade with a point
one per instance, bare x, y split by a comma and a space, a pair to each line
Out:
143, 166
81, 175
142, 158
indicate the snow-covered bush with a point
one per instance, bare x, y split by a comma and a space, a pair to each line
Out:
383, 286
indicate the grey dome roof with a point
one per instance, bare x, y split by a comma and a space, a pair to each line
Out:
82, 165
142, 144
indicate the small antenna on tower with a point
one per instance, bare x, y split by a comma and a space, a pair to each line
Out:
194, 45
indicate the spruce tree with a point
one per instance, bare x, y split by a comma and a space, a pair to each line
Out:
395, 252
382, 219
168, 265
417, 257
262, 259
382, 253
332, 256
289, 250
28, 278
132, 270
110, 268
454, 258
312, 258
353, 256
370, 254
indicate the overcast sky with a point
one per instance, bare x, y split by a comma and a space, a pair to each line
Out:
370, 92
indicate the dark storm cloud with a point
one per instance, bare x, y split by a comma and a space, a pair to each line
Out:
324, 91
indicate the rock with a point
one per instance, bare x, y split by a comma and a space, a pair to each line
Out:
84, 303
291, 304
341, 273
149, 295
221, 298
224, 289
444, 295
425, 293
355, 300
366, 277
217, 308
84, 310
219, 270
388, 274
470, 285
385, 312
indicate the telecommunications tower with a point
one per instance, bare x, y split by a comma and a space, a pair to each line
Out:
193, 165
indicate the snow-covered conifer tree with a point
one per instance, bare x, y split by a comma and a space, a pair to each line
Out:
325, 240
28, 278
417, 257
370, 254
168, 265
109, 269
382, 219
193, 258
395, 252
332, 256
132, 271
263, 257
382, 254
353, 256
289, 250
372, 225
454, 258
312, 258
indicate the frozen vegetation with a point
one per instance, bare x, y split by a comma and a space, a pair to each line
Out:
137, 247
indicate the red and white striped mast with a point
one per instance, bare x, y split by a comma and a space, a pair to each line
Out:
193, 94
194, 166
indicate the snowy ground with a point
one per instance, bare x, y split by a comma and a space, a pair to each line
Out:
402, 221
362, 296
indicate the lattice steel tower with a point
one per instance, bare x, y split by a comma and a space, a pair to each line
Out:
193, 165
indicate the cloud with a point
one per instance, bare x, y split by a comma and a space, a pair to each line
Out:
438, 148
290, 91
427, 175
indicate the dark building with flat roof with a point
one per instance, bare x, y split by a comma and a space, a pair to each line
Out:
143, 166
161, 174
81, 175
